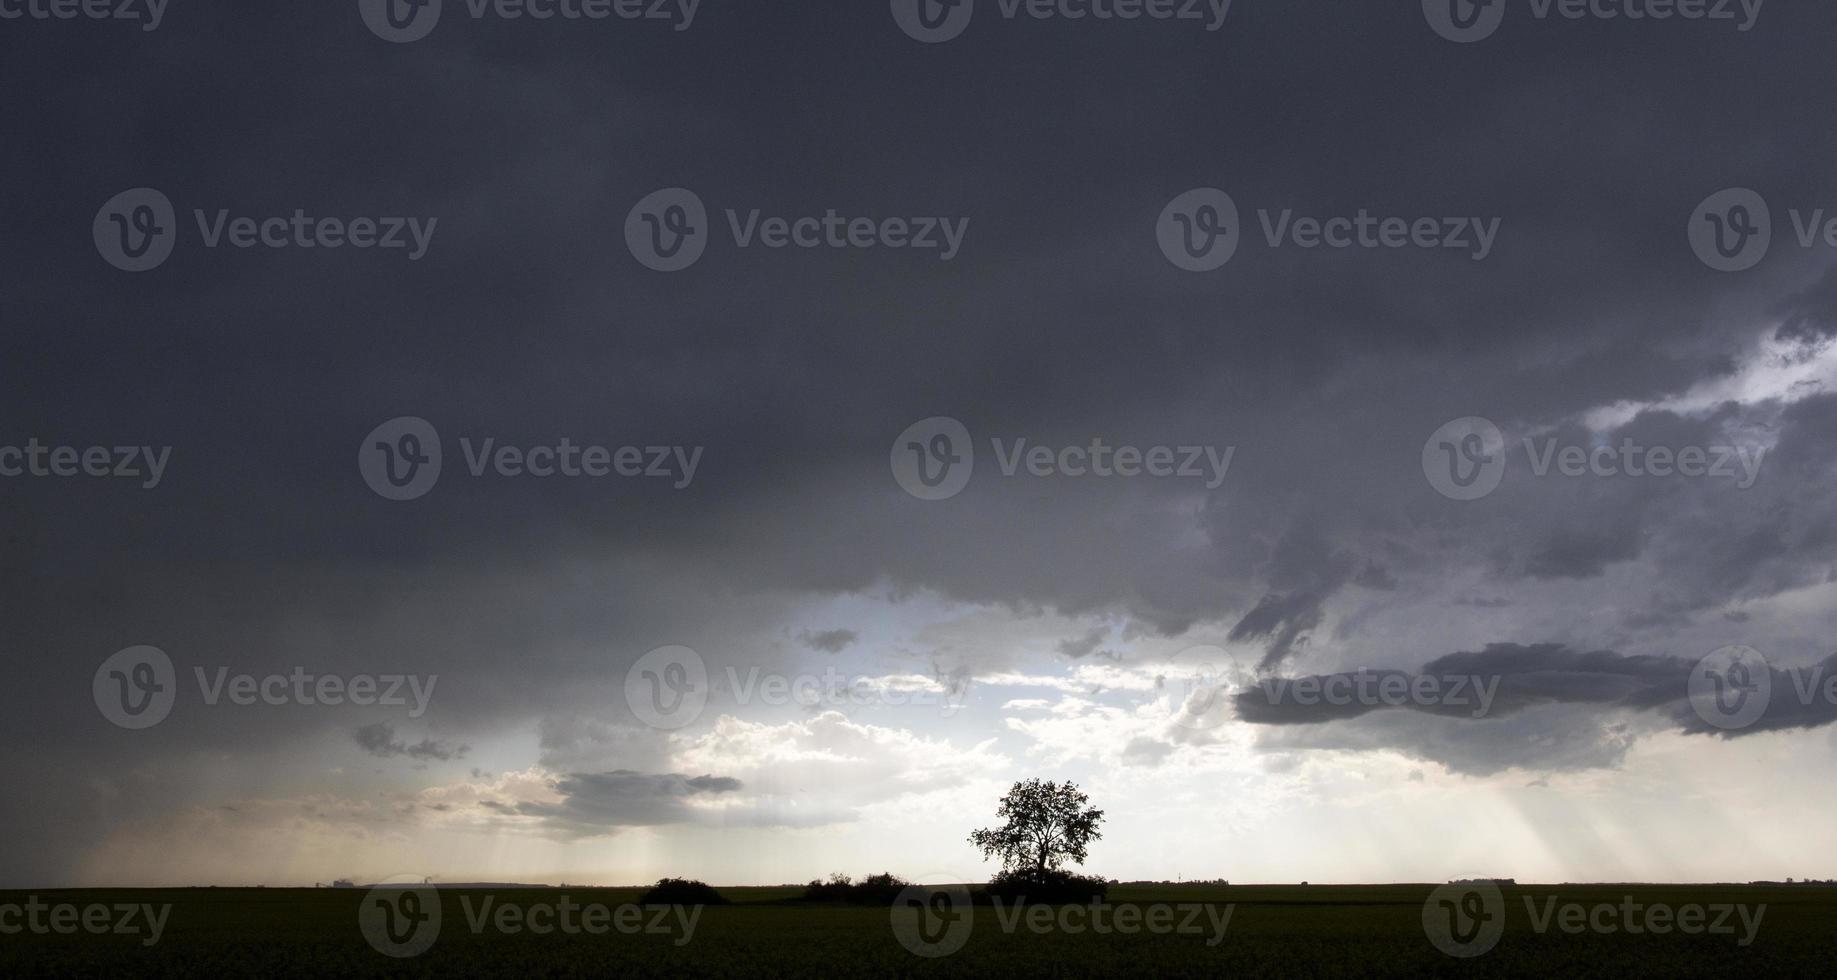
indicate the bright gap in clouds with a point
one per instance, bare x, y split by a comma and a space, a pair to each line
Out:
1774, 370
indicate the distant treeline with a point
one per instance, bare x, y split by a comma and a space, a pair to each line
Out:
1028, 885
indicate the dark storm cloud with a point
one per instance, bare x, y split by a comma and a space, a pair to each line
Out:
1303, 571
1556, 738
1079, 647
599, 803
828, 641
1526, 677
1281, 621
527, 321
1811, 315
380, 740
1583, 551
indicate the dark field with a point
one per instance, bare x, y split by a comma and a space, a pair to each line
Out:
1272, 931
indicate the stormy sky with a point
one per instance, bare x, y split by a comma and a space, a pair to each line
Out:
1567, 183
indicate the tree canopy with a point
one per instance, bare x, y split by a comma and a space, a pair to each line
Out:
1045, 825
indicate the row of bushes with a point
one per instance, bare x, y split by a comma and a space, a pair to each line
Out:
1009, 887
879, 889
682, 891
1055, 887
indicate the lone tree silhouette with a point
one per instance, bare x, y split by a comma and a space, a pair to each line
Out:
1047, 824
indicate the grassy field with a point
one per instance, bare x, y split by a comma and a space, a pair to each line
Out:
1273, 931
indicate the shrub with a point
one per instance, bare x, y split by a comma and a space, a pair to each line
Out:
681, 891
836, 889
1046, 887
880, 889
